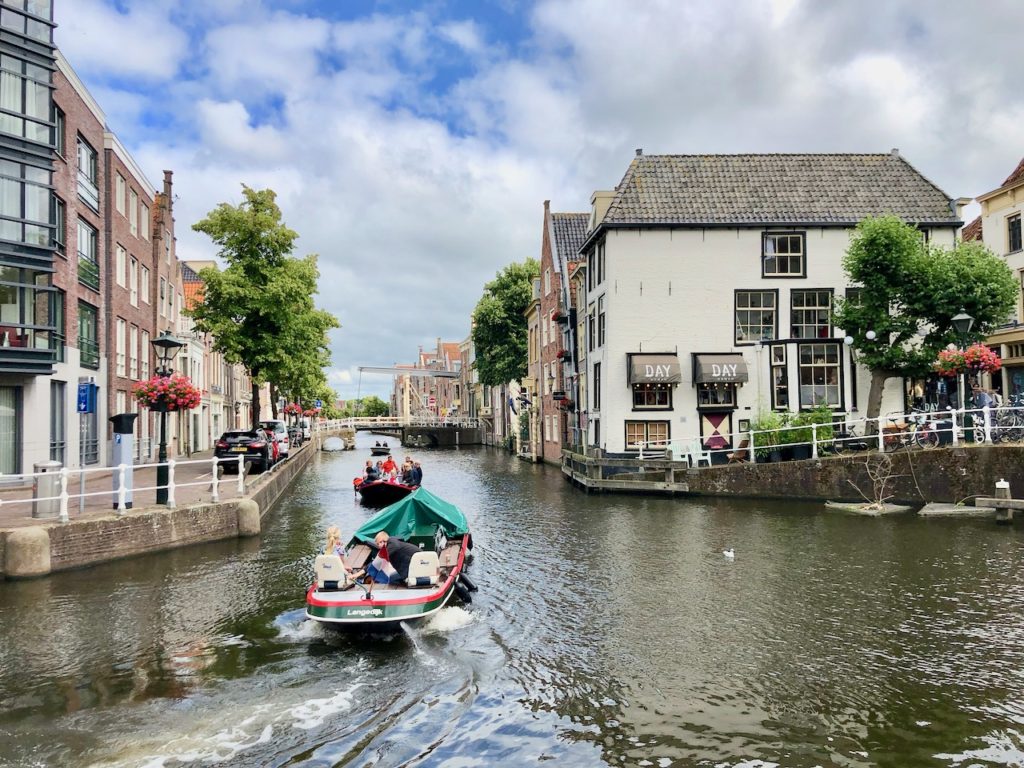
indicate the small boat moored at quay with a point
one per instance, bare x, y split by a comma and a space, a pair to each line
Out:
438, 528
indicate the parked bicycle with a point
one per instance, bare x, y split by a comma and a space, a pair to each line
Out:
916, 431
846, 440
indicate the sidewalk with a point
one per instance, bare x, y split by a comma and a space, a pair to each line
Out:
16, 501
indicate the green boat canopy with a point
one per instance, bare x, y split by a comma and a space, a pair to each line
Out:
420, 513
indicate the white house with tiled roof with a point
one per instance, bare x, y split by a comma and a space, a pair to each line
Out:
710, 281
999, 226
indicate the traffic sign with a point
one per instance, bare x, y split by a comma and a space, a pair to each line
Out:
431, 401
319, 403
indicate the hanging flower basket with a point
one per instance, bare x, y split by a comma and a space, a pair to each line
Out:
559, 316
567, 405
167, 393
976, 357
564, 354
293, 409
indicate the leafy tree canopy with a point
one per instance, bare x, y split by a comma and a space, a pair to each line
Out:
260, 308
499, 325
909, 294
371, 405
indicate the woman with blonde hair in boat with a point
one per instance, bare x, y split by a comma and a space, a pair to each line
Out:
334, 545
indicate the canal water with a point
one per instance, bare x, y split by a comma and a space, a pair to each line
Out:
608, 631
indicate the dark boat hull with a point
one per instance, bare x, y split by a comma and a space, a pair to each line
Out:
381, 493
379, 450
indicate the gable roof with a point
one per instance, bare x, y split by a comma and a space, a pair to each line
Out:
972, 231
1017, 175
570, 231
189, 275
807, 189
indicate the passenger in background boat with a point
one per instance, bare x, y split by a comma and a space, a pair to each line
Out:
399, 555
371, 472
377, 444
417, 473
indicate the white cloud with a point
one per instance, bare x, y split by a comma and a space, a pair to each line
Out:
141, 42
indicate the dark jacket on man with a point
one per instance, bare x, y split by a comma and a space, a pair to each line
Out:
400, 554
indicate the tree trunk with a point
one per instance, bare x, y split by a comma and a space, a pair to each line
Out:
255, 401
273, 399
878, 379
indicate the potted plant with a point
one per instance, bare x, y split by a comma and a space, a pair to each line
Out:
766, 439
167, 393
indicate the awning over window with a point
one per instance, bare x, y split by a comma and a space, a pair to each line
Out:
727, 368
654, 369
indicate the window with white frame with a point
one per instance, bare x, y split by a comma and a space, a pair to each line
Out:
600, 322
144, 350
133, 282
600, 263
133, 352
119, 343
120, 257
595, 402
120, 193
144, 280
547, 281
1013, 234
780, 377
162, 299
756, 315
88, 175
120, 401
819, 375
782, 254
643, 432
591, 330
144, 222
133, 212
167, 246
811, 314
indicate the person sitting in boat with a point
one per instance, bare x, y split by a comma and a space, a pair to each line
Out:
407, 473
335, 547
391, 566
377, 444
371, 473
417, 473
389, 467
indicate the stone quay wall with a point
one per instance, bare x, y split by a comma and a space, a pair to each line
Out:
51, 546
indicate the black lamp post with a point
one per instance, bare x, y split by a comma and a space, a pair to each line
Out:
167, 348
962, 324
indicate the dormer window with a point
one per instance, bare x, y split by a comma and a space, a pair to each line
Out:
782, 254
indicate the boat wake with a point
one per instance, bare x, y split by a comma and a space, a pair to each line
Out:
294, 627
448, 620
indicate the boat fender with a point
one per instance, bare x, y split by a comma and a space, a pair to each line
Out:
462, 592
469, 541
468, 582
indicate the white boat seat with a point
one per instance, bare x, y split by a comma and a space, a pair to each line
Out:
330, 572
424, 569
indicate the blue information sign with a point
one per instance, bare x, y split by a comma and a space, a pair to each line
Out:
86, 398
319, 403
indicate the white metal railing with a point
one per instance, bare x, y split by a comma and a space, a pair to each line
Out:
399, 421
989, 423
65, 495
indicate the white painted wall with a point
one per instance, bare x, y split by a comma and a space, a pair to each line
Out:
673, 291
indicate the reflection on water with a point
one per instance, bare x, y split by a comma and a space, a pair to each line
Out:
607, 631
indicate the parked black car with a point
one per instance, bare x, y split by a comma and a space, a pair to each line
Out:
252, 444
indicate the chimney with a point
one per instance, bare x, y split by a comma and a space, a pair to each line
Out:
600, 201
895, 151
639, 151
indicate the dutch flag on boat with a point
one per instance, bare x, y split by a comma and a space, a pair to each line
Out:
381, 568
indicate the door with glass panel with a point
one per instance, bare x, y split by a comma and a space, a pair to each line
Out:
10, 430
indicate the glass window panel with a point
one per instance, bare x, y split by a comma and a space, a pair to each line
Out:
9, 438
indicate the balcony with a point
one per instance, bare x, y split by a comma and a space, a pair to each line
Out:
88, 272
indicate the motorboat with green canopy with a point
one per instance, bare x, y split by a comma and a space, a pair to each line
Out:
339, 596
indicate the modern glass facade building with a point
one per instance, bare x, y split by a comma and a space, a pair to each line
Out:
30, 226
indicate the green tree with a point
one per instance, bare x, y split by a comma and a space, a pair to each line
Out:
909, 294
260, 308
499, 325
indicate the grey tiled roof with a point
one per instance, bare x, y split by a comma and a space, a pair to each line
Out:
189, 275
570, 232
797, 189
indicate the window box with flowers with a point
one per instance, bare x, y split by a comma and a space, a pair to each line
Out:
559, 316
564, 355
167, 393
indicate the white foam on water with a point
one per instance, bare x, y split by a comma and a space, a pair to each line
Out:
315, 712
414, 637
448, 620
302, 630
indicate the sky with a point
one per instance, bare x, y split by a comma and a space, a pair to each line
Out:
412, 145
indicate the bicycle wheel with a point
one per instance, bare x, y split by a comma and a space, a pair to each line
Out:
926, 438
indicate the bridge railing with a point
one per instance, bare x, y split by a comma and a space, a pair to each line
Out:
364, 422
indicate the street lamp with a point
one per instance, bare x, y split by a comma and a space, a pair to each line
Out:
962, 324
167, 348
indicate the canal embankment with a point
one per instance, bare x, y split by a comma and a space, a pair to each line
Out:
32, 547
916, 477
